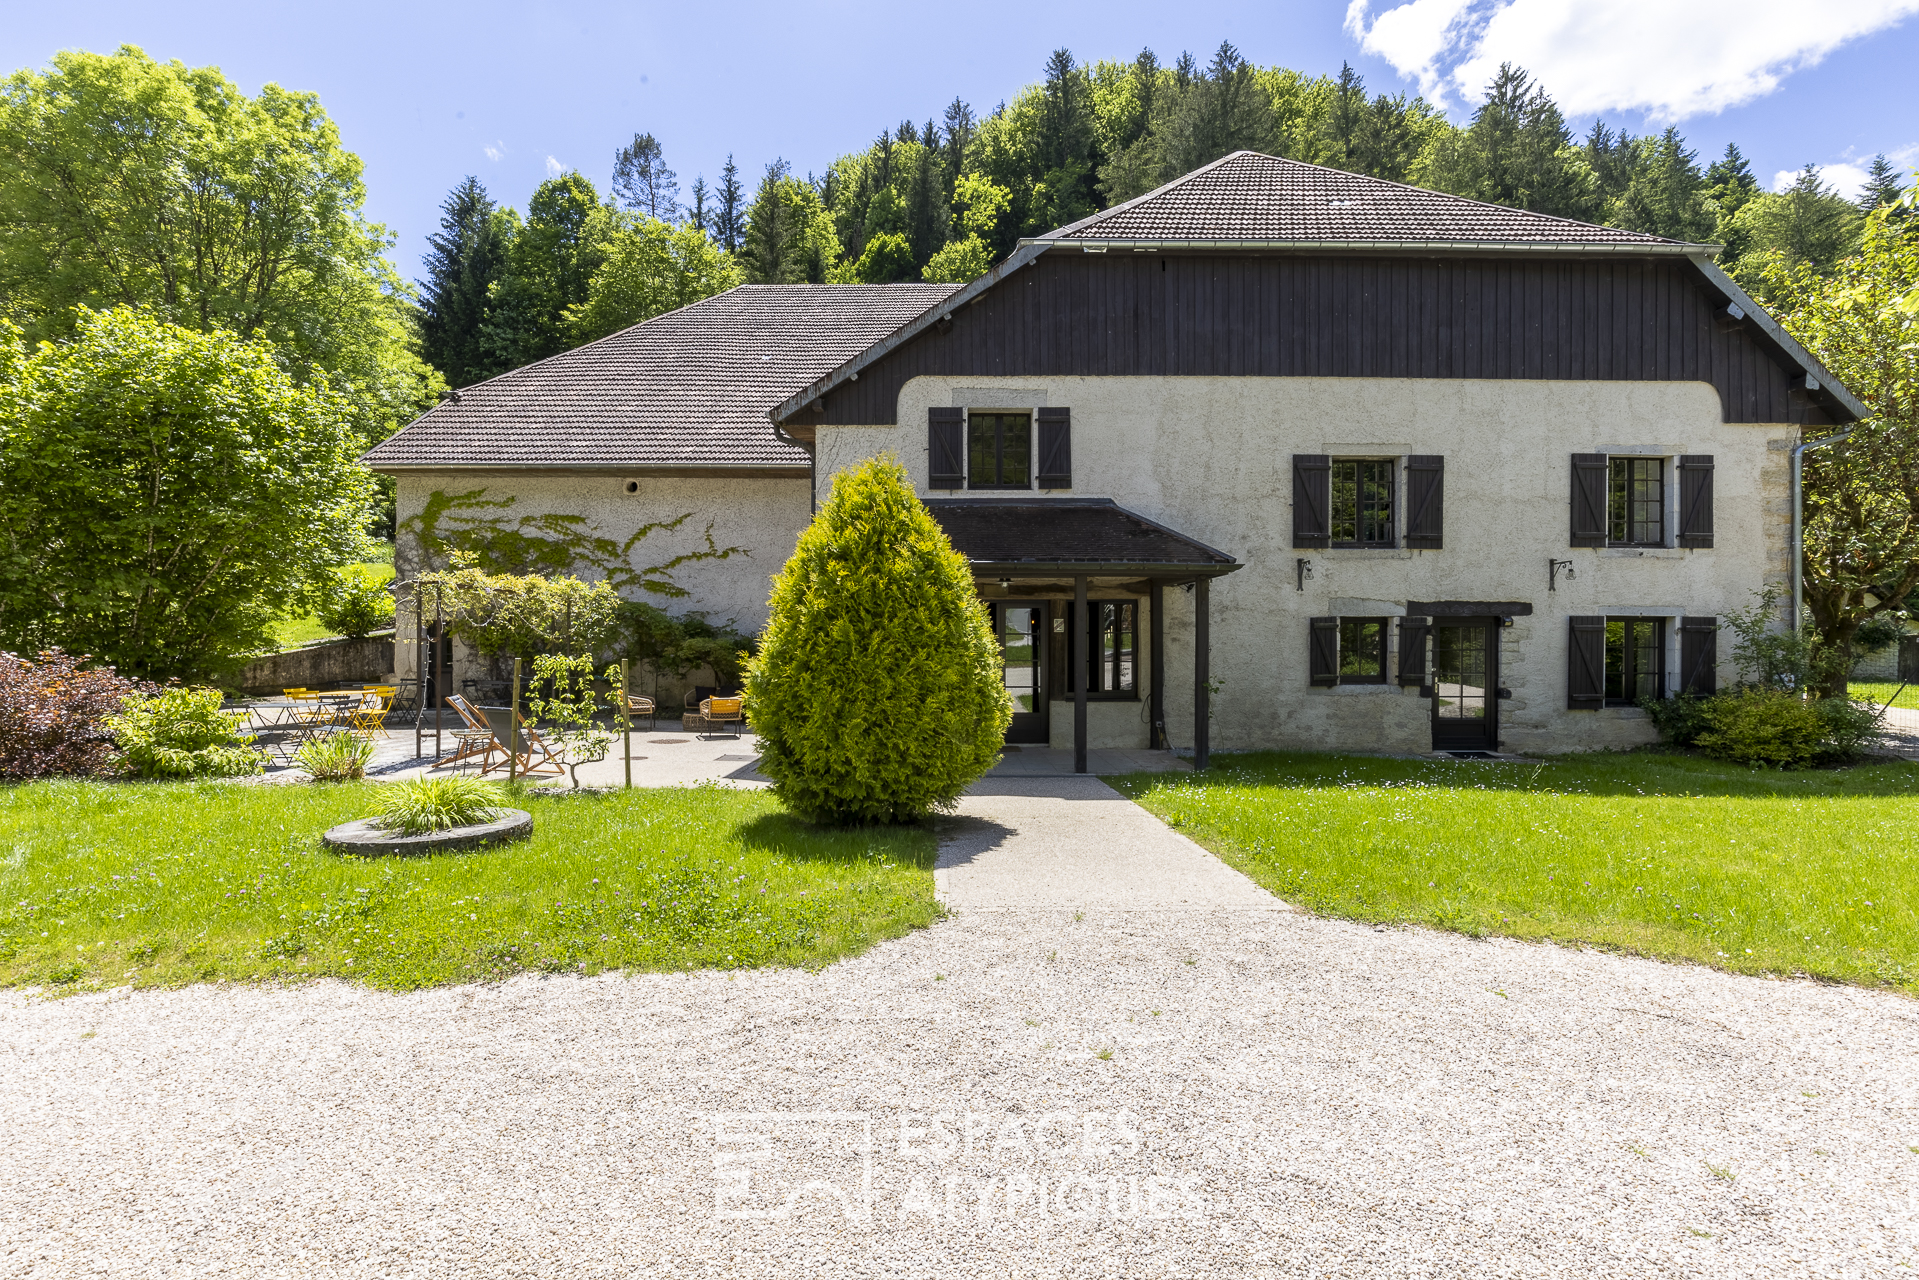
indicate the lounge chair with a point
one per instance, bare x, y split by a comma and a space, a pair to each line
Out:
529, 753
474, 741
719, 711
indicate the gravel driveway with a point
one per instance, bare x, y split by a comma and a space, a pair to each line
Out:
1216, 1092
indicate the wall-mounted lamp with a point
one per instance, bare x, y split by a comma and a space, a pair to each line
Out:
1554, 568
1505, 619
1006, 584
1302, 572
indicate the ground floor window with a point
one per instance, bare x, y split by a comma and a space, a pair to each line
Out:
1347, 651
1362, 651
1635, 660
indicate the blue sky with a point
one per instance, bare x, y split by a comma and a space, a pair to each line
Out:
429, 93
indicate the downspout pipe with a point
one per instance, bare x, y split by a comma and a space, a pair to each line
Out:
1798, 524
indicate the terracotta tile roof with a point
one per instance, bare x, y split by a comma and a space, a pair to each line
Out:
1247, 196
687, 389
1058, 533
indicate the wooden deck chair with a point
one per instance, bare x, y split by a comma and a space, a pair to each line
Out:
475, 740
529, 753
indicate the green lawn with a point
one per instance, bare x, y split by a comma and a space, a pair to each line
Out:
1665, 855
291, 633
156, 884
1875, 691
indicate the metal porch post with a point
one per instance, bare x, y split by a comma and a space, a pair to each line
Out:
1202, 673
1082, 626
1156, 666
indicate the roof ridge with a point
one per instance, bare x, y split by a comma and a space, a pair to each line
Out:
1091, 222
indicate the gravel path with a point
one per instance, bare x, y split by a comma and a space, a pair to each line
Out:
1283, 1096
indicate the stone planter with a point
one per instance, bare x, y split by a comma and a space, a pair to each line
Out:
364, 838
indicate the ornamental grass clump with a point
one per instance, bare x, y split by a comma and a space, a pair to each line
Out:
338, 757
877, 693
424, 805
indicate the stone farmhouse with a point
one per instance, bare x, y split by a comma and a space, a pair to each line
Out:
1274, 456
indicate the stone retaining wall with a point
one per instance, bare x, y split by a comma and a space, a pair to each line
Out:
320, 665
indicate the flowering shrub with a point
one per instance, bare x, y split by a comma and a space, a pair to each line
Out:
51, 711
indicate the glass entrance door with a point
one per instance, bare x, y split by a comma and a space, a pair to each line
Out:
1465, 685
1022, 633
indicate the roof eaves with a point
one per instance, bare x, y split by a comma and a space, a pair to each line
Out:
900, 336
1388, 246
1786, 344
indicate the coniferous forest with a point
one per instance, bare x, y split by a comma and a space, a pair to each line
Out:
943, 199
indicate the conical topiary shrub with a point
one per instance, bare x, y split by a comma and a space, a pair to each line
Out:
877, 693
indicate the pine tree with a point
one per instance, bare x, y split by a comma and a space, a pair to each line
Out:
1613, 158
927, 209
729, 208
1729, 181
1882, 185
1666, 195
1063, 145
463, 260
1518, 152
1345, 122
956, 137
642, 181
697, 214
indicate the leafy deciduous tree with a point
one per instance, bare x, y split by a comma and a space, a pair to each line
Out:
166, 494
650, 268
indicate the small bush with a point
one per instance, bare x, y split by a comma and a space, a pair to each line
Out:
1851, 727
51, 714
877, 693
1764, 726
356, 605
1680, 719
182, 733
338, 757
421, 805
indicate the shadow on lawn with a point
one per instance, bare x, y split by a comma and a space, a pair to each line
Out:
1607, 773
795, 838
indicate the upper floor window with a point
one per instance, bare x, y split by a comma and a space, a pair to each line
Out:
1362, 502
1636, 502
999, 450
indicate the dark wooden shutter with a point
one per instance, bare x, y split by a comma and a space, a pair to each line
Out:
1055, 448
1325, 655
945, 448
1699, 656
1586, 664
1425, 500
1413, 634
1589, 499
1695, 500
1312, 496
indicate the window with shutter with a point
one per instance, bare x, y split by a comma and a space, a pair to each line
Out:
945, 448
1055, 448
1425, 498
1312, 493
1586, 664
1325, 650
1695, 500
1589, 500
1413, 634
1699, 656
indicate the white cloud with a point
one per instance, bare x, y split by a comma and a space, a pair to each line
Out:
494, 150
554, 168
1669, 60
1849, 175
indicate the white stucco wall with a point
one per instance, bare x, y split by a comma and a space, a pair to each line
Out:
1211, 457
761, 515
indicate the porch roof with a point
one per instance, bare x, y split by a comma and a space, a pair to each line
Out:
1021, 537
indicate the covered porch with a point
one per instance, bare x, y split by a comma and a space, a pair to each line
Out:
1077, 589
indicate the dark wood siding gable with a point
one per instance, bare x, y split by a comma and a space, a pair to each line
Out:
1320, 316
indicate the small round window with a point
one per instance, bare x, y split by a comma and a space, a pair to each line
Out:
632, 486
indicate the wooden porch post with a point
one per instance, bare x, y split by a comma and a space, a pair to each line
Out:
1082, 625
1156, 665
1202, 674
